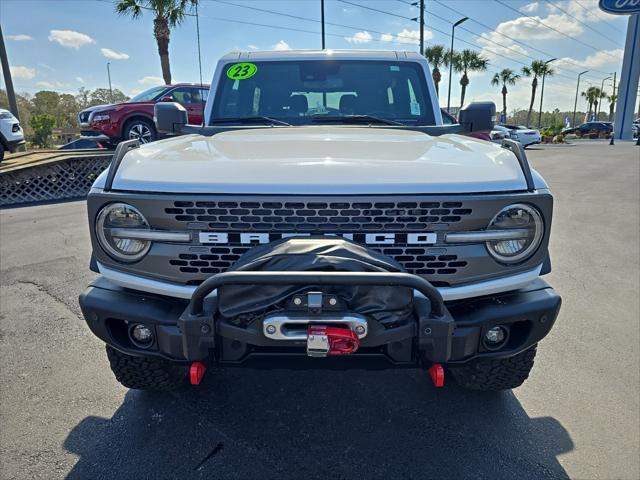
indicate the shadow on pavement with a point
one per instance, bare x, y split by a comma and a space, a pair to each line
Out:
319, 424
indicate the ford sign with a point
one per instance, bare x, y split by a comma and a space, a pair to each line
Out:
620, 7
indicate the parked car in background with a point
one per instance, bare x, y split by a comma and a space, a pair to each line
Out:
635, 128
133, 119
11, 134
590, 128
525, 135
82, 144
499, 133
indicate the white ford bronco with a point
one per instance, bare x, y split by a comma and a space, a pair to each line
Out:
322, 217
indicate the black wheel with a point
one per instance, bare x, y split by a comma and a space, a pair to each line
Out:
494, 375
145, 373
140, 129
1, 151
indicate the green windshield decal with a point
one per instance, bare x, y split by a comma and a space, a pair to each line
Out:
242, 71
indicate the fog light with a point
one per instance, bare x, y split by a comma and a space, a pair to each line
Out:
495, 335
141, 334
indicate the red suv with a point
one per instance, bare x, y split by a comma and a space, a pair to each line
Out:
134, 118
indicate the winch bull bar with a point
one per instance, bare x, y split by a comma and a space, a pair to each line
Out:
434, 326
390, 279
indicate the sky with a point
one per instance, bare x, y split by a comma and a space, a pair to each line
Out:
65, 44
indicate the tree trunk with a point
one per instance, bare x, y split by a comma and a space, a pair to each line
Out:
595, 109
435, 74
504, 102
464, 81
611, 105
534, 86
162, 33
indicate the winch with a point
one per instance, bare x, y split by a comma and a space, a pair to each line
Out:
316, 321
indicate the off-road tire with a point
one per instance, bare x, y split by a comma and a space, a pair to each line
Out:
495, 375
145, 373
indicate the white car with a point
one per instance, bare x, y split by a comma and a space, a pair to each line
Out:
11, 134
525, 135
499, 133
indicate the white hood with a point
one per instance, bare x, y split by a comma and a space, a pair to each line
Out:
319, 160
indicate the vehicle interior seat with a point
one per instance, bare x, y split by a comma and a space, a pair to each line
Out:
298, 105
347, 104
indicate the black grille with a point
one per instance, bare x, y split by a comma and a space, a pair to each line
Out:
320, 217
413, 259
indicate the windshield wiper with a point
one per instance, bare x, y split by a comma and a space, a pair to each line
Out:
255, 119
354, 119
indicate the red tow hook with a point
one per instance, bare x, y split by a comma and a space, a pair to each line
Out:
335, 340
196, 372
437, 375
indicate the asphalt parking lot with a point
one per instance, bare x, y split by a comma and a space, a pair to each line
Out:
63, 414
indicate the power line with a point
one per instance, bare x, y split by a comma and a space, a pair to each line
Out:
460, 39
547, 26
581, 22
315, 20
511, 38
576, 2
376, 10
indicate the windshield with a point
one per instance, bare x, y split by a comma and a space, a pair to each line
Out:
323, 91
147, 95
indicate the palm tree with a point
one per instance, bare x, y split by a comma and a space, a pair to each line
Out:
538, 68
437, 56
612, 103
464, 62
167, 14
507, 77
592, 95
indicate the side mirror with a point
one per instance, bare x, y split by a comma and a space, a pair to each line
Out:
478, 116
169, 117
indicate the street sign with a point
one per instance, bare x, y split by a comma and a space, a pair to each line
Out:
620, 7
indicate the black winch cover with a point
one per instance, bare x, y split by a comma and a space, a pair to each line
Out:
244, 303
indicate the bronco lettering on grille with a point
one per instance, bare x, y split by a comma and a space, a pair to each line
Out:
224, 238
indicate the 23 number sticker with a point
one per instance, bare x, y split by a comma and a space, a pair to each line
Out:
242, 71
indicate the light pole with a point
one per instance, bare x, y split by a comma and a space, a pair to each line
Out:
322, 21
453, 31
421, 18
13, 106
109, 76
542, 91
575, 104
601, 97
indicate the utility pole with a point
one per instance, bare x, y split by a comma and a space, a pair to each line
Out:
601, 97
421, 27
614, 94
453, 32
322, 21
109, 75
542, 91
11, 94
575, 104
420, 18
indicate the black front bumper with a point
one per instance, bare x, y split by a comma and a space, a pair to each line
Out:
450, 333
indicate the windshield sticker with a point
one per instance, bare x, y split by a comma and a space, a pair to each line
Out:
242, 71
394, 68
415, 108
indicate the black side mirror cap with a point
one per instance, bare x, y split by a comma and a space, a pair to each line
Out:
478, 116
169, 117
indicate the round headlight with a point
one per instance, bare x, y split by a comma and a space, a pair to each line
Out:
112, 224
516, 217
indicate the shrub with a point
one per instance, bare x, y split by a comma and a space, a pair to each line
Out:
42, 126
